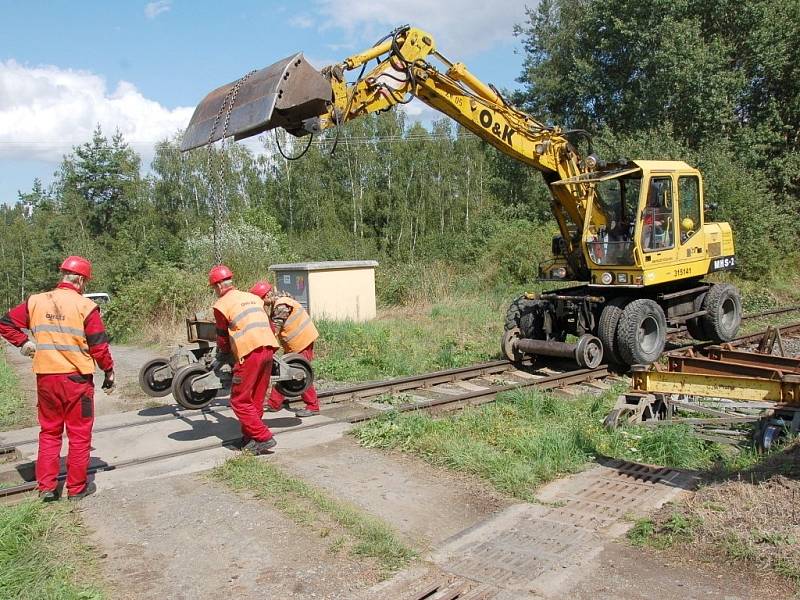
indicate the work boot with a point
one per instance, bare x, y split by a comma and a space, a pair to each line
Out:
90, 489
305, 412
273, 409
48, 495
258, 448
245, 440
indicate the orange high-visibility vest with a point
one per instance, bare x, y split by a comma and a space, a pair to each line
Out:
298, 332
248, 323
56, 321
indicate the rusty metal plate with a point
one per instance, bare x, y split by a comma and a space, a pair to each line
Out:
281, 95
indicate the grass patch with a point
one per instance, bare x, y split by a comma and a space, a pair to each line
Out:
747, 515
459, 329
674, 529
527, 438
14, 411
362, 534
42, 554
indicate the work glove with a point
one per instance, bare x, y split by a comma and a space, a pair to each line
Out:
108, 382
221, 359
28, 349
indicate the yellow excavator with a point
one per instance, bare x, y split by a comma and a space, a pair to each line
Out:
632, 232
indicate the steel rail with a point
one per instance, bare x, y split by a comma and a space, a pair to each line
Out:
758, 315
453, 402
354, 392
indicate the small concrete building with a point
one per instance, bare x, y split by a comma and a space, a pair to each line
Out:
341, 290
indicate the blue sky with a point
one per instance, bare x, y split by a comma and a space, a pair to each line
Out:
142, 66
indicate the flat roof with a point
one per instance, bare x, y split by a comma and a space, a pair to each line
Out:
326, 265
663, 165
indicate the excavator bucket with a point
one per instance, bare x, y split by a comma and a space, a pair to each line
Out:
282, 95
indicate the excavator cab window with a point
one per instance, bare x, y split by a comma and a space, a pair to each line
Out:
689, 201
617, 199
657, 220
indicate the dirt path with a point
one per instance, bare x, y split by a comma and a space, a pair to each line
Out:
127, 396
187, 537
424, 504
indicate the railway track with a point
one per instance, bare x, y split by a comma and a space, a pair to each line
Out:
430, 383
440, 391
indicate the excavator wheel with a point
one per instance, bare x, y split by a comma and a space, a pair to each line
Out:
642, 332
182, 388
695, 326
607, 328
724, 306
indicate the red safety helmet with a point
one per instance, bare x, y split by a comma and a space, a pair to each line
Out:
261, 289
219, 273
77, 265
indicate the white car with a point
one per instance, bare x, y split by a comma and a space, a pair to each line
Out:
99, 298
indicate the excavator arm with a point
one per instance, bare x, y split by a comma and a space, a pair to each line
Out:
292, 95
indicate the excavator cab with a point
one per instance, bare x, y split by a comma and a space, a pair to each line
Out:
289, 94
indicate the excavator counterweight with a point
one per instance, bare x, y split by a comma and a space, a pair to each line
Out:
282, 95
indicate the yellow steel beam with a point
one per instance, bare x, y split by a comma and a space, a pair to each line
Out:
785, 390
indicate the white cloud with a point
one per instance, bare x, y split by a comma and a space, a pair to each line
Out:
153, 9
460, 28
45, 111
301, 21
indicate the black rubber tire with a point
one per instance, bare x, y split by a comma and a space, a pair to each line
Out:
517, 310
182, 390
695, 326
724, 305
642, 332
295, 388
607, 328
150, 387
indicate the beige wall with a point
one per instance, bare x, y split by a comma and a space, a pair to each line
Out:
342, 294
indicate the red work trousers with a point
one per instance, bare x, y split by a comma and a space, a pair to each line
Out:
276, 399
248, 391
64, 399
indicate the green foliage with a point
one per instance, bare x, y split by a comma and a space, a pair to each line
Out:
14, 411
397, 346
163, 295
42, 554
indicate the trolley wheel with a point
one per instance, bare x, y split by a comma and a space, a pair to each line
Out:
510, 336
612, 420
589, 352
769, 435
182, 388
151, 387
292, 388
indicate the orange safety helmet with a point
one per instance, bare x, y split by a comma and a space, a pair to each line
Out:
77, 265
261, 289
219, 273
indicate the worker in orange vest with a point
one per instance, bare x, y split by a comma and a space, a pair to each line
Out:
243, 330
69, 338
296, 333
